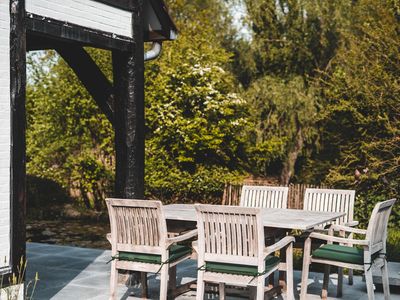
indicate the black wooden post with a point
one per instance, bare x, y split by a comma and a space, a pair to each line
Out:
18, 157
129, 112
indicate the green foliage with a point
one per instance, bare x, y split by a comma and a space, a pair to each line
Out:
283, 114
292, 37
205, 185
360, 121
194, 115
393, 245
69, 140
291, 40
195, 118
43, 190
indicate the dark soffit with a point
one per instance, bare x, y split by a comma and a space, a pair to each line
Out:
159, 25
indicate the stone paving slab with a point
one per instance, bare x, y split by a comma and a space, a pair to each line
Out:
394, 274
80, 273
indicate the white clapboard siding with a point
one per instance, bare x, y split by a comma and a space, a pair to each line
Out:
86, 13
4, 134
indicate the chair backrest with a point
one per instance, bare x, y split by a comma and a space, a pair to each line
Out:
331, 200
229, 234
378, 223
137, 225
264, 196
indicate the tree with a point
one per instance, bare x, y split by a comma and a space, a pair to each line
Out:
69, 140
283, 114
292, 37
361, 120
360, 146
291, 40
195, 117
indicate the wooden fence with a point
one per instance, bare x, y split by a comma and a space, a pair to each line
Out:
232, 193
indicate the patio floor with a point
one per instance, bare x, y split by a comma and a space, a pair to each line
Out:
81, 273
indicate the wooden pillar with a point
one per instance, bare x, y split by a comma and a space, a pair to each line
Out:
129, 113
18, 124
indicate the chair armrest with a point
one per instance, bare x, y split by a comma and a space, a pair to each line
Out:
348, 229
331, 238
195, 246
181, 238
108, 237
351, 224
279, 245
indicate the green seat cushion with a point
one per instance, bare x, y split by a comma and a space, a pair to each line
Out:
175, 252
340, 253
237, 269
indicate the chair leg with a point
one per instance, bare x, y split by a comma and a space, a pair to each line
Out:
325, 283
350, 270
271, 280
164, 282
143, 281
289, 273
385, 280
252, 292
172, 281
200, 285
340, 283
370, 283
221, 290
350, 276
306, 266
113, 280
281, 274
260, 288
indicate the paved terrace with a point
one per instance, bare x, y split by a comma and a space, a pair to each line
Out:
80, 273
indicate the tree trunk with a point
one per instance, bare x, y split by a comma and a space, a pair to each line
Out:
294, 151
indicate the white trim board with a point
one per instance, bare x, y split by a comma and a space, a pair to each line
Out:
86, 13
5, 136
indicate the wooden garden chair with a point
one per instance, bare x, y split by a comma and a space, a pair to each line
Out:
333, 200
264, 196
371, 251
231, 250
267, 197
140, 242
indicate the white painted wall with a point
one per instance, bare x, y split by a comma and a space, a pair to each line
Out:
87, 13
5, 134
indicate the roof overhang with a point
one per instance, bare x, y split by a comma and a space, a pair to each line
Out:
97, 23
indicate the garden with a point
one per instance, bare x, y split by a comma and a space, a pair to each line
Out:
286, 91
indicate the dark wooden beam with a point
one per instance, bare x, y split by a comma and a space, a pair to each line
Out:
91, 77
128, 69
18, 120
123, 4
63, 31
36, 42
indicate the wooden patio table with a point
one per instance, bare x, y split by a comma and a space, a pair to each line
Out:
181, 217
272, 217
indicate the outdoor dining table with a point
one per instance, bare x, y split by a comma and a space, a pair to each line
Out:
273, 218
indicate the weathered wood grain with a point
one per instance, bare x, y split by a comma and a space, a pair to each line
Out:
272, 217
